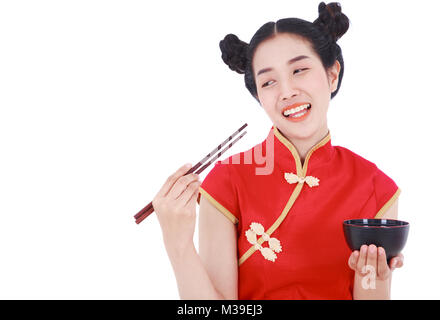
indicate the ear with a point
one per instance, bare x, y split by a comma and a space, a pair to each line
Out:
333, 75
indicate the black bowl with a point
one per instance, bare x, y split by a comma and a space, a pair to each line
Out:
386, 233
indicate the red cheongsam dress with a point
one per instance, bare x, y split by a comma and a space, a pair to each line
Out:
288, 215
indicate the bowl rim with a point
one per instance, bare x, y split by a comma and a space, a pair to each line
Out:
348, 223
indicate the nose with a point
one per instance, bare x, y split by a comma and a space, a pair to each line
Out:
288, 90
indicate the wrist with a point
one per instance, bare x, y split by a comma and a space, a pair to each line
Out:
371, 289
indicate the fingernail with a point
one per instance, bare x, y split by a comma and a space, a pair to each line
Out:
372, 248
381, 251
188, 165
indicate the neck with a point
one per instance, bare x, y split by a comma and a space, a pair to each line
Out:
304, 145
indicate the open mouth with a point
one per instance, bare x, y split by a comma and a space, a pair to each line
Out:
297, 112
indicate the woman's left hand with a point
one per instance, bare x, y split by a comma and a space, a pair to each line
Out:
371, 258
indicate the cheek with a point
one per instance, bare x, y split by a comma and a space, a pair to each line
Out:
269, 108
267, 100
316, 84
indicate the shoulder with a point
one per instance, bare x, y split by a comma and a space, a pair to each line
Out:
384, 189
241, 162
384, 185
355, 160
228, 170
364, 169
360, 162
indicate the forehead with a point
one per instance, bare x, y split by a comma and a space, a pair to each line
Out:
275, 52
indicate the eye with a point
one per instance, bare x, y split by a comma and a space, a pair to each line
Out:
299, 70
266, 84
294, 72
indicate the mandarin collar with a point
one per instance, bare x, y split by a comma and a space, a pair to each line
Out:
287, 156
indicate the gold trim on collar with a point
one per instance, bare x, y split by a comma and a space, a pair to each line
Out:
300, 169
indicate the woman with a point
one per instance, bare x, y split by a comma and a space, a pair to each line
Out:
278, 234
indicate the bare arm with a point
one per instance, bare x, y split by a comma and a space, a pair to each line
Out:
218, 249
192, 278
211, 274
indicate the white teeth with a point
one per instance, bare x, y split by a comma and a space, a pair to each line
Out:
295, 110
299, 115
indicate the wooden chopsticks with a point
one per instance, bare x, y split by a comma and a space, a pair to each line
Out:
148, 209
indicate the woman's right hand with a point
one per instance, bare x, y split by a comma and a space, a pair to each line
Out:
175, 207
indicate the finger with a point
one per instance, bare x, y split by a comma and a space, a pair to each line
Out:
362, 259
393, 263
382, 264
396, 262
372, 257
172, 179
193, 200
181, 184
352, 261
188, 193
401, 260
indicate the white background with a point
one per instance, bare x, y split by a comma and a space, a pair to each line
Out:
100, 101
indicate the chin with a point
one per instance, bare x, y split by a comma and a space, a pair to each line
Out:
300, 132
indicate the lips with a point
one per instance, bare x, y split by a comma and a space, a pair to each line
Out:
297, 112
292, 106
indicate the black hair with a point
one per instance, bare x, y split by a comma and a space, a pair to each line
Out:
322, 34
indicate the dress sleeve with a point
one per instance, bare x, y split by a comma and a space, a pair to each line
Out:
219, 188
386, 192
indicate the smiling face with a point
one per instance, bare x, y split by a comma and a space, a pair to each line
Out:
289, 74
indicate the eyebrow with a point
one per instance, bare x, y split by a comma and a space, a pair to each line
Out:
288, 62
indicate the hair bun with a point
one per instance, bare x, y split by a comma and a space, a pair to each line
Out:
234, 53
331, 20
